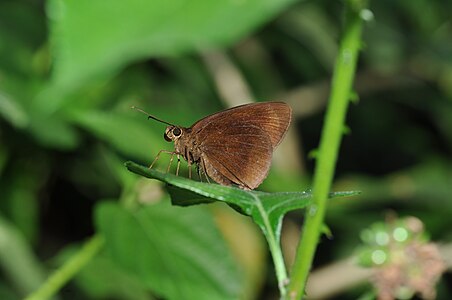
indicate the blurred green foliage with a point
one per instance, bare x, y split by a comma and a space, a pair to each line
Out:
70, 70
177, 258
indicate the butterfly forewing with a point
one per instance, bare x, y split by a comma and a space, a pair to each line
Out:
273, 117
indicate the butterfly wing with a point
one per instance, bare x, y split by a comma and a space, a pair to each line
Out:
242, 154
237, 144
273, 117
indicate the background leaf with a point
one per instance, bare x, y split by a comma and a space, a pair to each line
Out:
18, 260
177, 252
102, 278
138, 29
11, 111
130, 135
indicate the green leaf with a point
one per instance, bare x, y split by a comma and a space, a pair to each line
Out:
177, 252
96, 38
54, 132
18, 261
7, 292
129, 135
12, 111
20, 192
266, 209
102, 279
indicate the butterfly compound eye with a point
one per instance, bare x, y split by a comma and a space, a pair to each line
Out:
177, 132
171, 133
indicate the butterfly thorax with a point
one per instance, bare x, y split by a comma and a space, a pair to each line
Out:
184, 144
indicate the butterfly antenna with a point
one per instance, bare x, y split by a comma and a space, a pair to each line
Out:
151, 116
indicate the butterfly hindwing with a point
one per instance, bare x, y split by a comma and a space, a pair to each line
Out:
242, 154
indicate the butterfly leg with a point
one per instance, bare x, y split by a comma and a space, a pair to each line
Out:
199, 172
158, 156
178, 164
189, 170
170, 162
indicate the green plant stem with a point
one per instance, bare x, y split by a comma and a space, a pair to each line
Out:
275, 250
278, 261
329, 147
61, 276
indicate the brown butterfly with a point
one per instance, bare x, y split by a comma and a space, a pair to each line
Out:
233, 146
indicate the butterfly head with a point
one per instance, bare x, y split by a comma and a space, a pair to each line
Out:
172, 133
